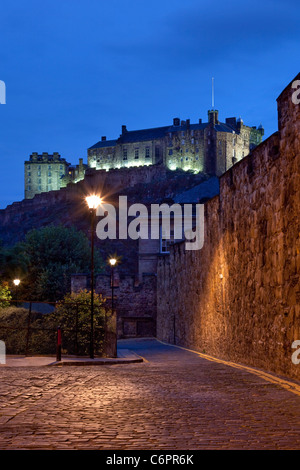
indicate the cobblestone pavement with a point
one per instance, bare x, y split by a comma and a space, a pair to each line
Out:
176, 400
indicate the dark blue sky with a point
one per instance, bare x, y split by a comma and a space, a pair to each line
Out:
76, 70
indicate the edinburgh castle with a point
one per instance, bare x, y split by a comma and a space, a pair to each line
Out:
210, 148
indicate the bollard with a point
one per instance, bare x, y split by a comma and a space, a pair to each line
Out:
58, 345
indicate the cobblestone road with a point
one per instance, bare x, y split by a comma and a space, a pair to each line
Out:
176, 400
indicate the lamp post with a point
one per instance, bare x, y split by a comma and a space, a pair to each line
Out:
113, 262
93, 202
16, 283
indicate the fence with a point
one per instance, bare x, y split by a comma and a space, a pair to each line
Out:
26, 330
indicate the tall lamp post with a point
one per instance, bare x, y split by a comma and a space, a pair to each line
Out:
16, 283
113, 262
93, 202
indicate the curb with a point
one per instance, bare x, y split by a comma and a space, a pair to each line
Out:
126, 357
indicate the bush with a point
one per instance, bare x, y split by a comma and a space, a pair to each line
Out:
14, 332
73, 315
5, 295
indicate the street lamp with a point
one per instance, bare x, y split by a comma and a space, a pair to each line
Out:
16, 283
113, 262
93, 202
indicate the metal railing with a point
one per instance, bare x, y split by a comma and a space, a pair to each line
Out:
27, 331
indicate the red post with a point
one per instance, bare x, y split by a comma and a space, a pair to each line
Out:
58, 345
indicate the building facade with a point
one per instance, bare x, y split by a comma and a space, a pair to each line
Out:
210, 147
49, 172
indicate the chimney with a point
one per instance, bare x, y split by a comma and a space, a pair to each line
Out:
200, 121
213, 117
124, 129
103, 138
231, 121
188, 122
176, 122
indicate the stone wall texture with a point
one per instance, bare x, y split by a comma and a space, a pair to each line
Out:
238, 298
134, 300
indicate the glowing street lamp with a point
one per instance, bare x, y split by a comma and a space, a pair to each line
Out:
16, 283
113, 262
93, 202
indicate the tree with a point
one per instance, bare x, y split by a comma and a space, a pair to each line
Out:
53, 254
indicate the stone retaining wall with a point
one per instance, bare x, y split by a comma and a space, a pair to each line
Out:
239, 297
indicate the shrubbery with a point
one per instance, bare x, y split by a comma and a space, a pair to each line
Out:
72, 314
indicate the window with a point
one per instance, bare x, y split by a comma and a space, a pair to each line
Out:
171, 152
182, 134
192, 141
49, 187
197, 158
49, 181
29, 180
164, 242
124, 154
182, 142
29, 173
49, 167
186, 150
136, 154
28, 188
61, 167
40, 181
49, 173
28, 167
39, 173
39, 188
147, 152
